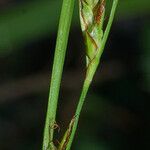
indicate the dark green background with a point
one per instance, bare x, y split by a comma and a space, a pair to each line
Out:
116, 112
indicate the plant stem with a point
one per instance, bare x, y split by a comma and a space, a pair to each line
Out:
109, 24
60, 51
90, 73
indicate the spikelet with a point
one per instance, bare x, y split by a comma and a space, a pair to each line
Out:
92, 18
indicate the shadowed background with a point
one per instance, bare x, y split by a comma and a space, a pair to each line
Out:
116, 113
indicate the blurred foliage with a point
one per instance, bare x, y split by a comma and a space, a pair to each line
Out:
145, 56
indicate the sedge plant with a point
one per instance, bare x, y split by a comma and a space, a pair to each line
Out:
92, 17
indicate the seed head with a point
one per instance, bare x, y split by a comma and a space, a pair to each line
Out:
91, 12
91, 18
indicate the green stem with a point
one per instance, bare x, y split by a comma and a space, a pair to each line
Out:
109, 24
90, 73
78, 111
60, 51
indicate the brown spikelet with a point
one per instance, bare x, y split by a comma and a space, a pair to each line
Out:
99, 11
